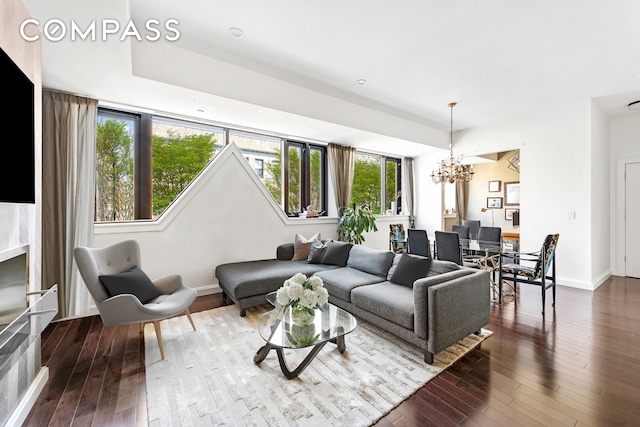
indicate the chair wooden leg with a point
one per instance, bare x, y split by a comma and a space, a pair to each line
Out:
188, 313
156, 325
110, 340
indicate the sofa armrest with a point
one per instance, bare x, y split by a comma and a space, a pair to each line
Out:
458, 308
285, 252
421, 298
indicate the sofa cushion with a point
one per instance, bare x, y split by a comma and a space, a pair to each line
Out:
133, 281
394, 265
337, 253
285, 251
370, 260
341, 281
390, 301
246, 279
409, 269
317, 251
302, 245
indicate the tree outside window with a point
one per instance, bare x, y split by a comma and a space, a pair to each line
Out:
376, 181
114, 174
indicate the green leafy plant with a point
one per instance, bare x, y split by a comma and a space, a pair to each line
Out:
354, 222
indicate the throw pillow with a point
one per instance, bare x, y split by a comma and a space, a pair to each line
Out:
134, 282
410, 268
302, 245
337, 253
316, 252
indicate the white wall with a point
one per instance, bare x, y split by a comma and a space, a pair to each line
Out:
226, 215
600, 190
624, 137
428, 196
555, 176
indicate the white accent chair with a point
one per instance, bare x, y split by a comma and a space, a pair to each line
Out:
125, 309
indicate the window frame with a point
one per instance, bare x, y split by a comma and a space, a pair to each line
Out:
305, 172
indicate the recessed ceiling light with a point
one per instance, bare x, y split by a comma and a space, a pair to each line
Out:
635, 105
361, 81
236, 32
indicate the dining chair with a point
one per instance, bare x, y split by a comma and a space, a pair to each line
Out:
462, 230
122, 292
490, 234
397, 238
418, 242
448, 247
536, 274
474, 227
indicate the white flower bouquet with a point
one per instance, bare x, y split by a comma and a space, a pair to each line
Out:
303, 293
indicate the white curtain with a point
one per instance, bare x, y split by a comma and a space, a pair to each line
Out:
69, 166
408, 188
341, 161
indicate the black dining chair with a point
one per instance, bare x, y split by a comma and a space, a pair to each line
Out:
418, 242
490, 234
448, 247
474, 227
462, 230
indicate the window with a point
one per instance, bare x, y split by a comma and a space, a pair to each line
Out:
259, 167
179, 152
376, 182
116, 136
393, 195
305, 177
144, 162
449, 198
266, 153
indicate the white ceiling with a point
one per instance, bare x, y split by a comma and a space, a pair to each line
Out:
294, 70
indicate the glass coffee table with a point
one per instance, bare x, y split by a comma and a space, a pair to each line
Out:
278, 330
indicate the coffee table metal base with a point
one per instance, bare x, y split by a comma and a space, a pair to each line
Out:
264, 351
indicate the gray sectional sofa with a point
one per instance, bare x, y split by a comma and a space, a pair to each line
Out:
435, 309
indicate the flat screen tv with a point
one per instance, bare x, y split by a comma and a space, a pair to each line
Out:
17, 164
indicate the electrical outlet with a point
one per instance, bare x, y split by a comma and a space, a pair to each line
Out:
213, 272
572, 215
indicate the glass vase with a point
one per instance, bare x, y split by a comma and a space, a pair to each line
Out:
302, 316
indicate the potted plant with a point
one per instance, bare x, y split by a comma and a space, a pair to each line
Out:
354, 222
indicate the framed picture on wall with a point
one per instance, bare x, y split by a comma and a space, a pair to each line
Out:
494, 202
511, 193
508, 213
494, 186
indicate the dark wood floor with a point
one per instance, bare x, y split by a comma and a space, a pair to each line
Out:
578, 367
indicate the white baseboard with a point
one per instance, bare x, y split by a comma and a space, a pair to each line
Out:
208, 290
29, 399
590, 286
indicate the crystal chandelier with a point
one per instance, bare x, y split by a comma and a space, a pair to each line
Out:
452, 170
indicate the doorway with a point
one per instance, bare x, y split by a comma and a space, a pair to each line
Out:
632, 219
